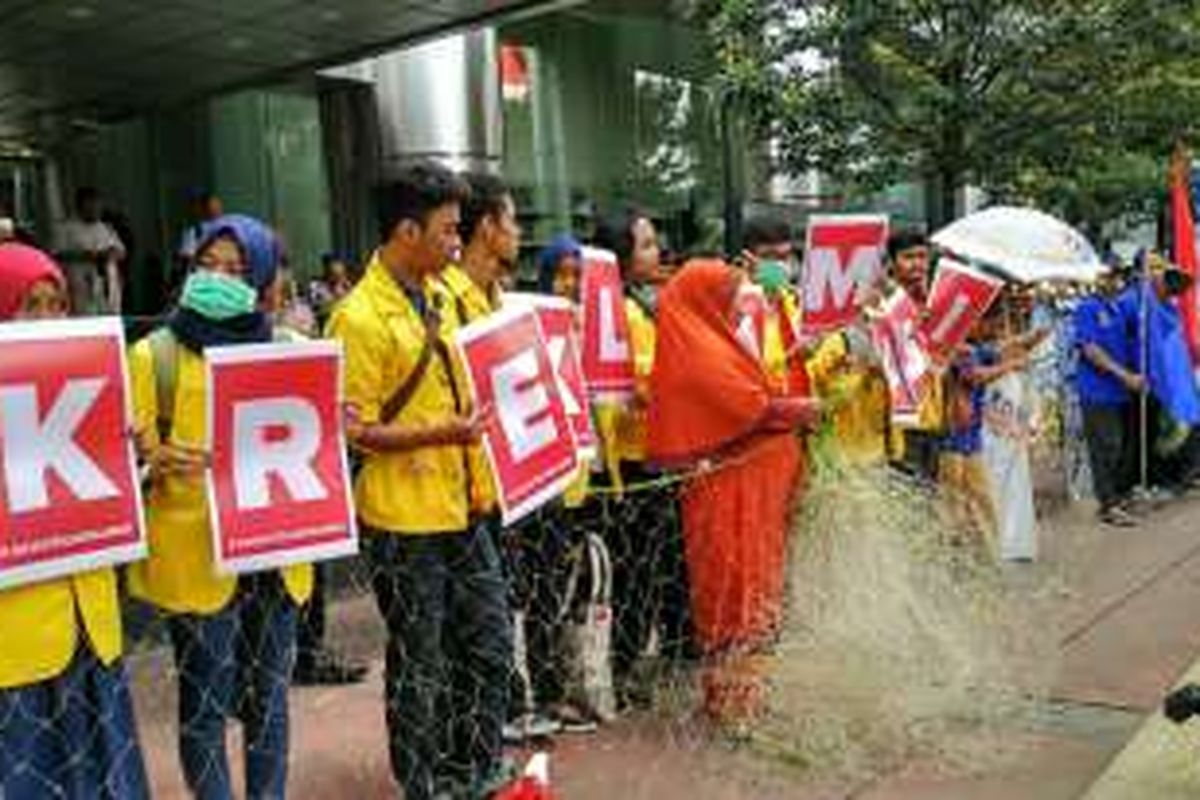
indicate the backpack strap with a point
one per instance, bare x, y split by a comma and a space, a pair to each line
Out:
164, 357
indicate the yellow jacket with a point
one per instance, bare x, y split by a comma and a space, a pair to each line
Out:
860, 401
418, 491
470, 303
180, 575
41, 623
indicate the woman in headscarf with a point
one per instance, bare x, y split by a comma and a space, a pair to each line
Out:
66, 720
713, 409
234, 637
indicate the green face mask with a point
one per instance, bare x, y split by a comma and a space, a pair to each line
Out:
216, 296
771, 275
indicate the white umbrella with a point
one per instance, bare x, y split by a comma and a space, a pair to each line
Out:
1023, 244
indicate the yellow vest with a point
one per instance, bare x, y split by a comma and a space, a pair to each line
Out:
40, 625
630, 424
417, 491
860, 398
470, 303
180, 575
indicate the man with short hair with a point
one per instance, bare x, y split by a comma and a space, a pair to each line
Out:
90, 252
436, 576
770, 256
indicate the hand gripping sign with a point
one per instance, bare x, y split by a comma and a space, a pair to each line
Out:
843, 258
959, 298
69, 498
528, 438
557, 317
278, 489
905, 364
607, 355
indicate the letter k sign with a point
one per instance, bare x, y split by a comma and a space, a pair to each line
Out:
33, 446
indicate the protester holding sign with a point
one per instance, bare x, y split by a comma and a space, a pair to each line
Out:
233, 637
915, 445
771, 260
646, 546
725, 420
436, 575
66, 718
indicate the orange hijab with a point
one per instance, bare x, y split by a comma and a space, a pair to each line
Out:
706, 391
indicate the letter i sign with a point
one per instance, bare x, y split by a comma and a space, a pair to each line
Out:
279, 489
70, 499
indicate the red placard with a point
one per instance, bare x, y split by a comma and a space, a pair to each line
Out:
896, 336
959, 297
528, 437
842, 261
279, 488
69, 494
560, 327
607, 355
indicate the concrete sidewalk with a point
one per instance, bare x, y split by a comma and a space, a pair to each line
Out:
1127, 619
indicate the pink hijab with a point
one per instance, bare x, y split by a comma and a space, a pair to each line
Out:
21, 268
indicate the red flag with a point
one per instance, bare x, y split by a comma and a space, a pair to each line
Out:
1183, 237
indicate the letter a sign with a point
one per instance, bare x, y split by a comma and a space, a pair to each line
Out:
528, 437
69, 498
279, 489
607, 350
843, 258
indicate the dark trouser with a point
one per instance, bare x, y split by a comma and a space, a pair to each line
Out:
650, 587
71, 737
237, 662
1111, 452
540, 577
920, 460
1164, 470
443, 597
310, 627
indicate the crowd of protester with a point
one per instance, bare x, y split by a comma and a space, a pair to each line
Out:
689, 493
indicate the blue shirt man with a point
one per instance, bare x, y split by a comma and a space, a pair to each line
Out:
1099, 324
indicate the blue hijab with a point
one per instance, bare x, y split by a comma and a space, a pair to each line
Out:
560, 247
262, 252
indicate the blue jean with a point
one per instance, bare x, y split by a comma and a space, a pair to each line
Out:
71, 737
237, 662
449, 649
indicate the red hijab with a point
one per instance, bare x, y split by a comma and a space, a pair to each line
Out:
21, 268
706, 391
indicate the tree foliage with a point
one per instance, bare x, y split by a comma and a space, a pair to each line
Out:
1064, 102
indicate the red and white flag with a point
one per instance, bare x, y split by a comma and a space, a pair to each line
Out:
959, 298
560, 328
279, 486
843, 260
69, 496
528, 436
607, 355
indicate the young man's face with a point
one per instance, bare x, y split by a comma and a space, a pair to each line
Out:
911, 266
644, 261
435, 244
504, 233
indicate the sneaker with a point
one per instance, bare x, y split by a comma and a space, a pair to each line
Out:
572, 719
530, 726
1118, 517
326, 668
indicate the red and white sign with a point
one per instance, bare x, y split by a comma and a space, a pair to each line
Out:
607, 355
750, 306
896, 335
528, 437
843, 260
959, 297
69, 495
279, 486
559, 327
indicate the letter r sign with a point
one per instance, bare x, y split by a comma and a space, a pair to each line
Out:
279, 488
529, 438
